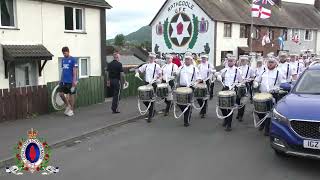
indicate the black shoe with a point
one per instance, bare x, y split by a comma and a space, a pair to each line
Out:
240, 119
224, 123
115, 112
149, 120
203, 116
166, 114
228, 129
237, 117
211, 98
186, 124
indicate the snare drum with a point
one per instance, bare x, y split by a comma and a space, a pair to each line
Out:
163, 90
263, 102
241, 90
146, 93
226, 99
200, 91
183, 95
282, 94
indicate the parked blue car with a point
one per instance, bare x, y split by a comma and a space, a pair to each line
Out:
295, 125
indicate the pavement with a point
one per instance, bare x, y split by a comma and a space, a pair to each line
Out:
58, 129
166, 150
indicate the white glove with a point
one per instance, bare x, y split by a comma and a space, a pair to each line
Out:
219, 78
255, 84
158, 81
172, 77
137, 75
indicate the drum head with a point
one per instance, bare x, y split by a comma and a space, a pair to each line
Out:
226, 93
145, 88
57, 102
162, 85
184, 90
262, 96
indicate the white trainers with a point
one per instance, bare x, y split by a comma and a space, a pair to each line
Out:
70, 113
67, 110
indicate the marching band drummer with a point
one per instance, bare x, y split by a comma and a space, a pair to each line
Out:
286, 69
168, 71
260, 67
269, 81
248, 73
188, 74
206, 71
152, 76
229, 76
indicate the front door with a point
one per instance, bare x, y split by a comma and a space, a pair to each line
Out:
26, 74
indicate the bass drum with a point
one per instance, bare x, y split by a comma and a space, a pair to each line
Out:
57, 102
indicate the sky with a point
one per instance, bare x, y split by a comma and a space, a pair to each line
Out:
128, 16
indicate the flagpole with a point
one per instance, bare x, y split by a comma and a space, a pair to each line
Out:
251, 32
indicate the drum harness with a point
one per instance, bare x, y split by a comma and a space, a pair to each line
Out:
260, 122
189, 104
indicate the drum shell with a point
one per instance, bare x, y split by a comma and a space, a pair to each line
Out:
226, 102
163, 91
241, 91
200, 93
146, 95
282, 94
263, 106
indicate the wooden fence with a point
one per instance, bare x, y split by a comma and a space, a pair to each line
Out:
89, 91
21, 103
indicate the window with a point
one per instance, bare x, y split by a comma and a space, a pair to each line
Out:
243, 31
227, 30
271, 34
7, 12
256, 32
308, 35
84, 67
285, 34
26, 74
295, 32
74, 19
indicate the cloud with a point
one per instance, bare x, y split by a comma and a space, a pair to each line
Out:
127, 16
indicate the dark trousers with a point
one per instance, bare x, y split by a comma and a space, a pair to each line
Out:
211, 90
168, 103
250, 88
228, 120
151, 109
201, 101
115, 88
187, 114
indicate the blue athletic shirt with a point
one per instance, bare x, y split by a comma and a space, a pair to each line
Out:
67, 69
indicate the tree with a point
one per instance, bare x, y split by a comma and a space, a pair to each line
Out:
119, 40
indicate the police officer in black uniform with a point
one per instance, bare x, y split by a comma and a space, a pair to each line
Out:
115, 79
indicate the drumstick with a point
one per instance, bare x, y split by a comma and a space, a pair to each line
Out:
139, 78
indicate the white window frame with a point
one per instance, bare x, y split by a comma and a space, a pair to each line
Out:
74, 19
79, 67
311, 36
14, 18
292, 33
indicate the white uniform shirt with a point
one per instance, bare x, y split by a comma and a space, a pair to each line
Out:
269, 81
186, 73
287, 71
259, 71
206, 70
230, 76
247, 72
152, 71
168, 70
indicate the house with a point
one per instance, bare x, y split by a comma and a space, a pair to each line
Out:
219, 27
32, 33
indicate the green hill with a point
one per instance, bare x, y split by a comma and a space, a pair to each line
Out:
140, 36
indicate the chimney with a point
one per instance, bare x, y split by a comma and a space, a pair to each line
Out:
317, 4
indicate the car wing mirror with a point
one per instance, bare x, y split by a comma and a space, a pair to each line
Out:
285, 86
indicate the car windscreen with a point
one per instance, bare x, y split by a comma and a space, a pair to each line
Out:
309, 83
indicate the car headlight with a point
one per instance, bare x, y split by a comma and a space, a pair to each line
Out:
279, 117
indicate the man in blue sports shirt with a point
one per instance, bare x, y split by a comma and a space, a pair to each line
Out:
68, 82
